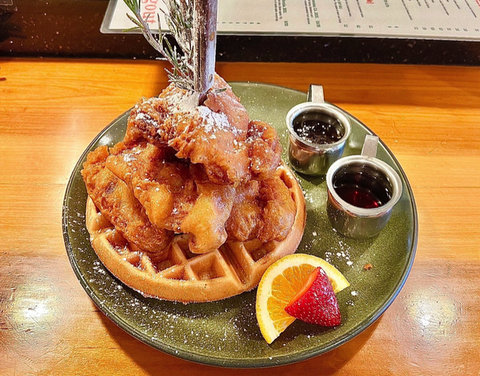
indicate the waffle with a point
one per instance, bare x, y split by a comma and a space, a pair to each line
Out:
186, 277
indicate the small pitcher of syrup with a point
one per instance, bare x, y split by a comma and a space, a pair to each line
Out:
362, 190
318, 131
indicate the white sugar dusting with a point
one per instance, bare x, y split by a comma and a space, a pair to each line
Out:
213, 121
145, 117
160, 321
142, 116
180, 101
129, 157
339, 253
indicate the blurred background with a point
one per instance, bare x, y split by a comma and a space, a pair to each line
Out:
71, 28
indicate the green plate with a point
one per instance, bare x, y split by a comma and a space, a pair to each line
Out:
226, 333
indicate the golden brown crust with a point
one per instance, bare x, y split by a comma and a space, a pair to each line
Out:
230, 270
119, 205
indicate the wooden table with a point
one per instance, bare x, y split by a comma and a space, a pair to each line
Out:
51, 109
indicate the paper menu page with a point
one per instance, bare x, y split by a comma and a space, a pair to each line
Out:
435, 19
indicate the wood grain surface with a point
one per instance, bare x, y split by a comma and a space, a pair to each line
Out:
428, 116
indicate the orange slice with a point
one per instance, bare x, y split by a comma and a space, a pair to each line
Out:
281, 282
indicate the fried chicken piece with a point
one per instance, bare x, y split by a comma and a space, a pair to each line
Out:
163, 186
175, 196
221, 99
264, 149
145, 121
279, 211
148, 119
217, 135
246, 215
262, 210
116, 202
207, 138
206, 221
195, 132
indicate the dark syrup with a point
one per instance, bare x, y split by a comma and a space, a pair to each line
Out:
318, 127
359, 196
362, 189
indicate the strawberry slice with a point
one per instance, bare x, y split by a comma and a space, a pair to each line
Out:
316, 303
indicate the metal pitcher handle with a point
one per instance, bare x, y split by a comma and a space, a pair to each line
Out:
315, 94
369, 148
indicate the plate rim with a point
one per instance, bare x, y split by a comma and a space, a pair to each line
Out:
240, 362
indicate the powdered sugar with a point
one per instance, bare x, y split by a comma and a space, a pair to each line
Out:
145, 117
129, 157
214, 121
179, 101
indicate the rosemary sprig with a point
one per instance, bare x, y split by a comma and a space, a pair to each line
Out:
179, 18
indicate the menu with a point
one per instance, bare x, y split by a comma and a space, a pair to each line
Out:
416, 19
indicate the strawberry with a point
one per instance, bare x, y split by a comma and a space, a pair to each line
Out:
316, 303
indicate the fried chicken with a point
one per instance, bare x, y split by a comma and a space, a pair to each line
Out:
207, 138
117, 203
264, 149
262, 210
163, 186
207, 171
246, 215
174, 197
206, 221
148, 119
145, 120
279, 211
221, 99
217, 135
